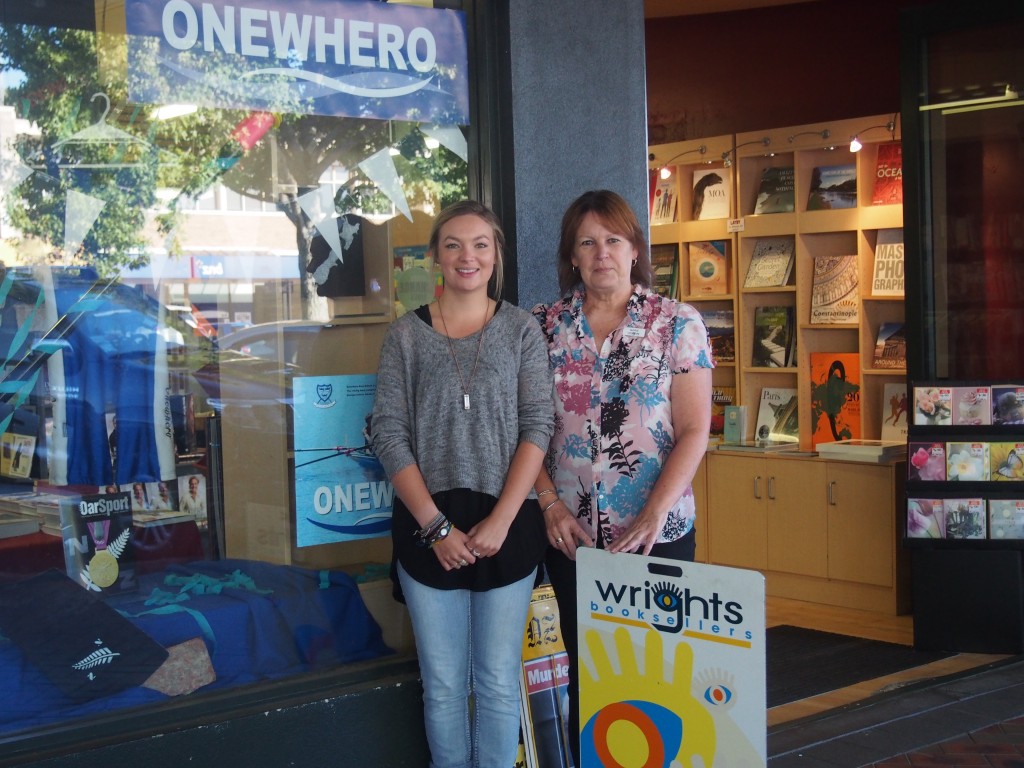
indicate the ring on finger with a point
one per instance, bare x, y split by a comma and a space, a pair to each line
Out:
475, 553
559, 540
463, 562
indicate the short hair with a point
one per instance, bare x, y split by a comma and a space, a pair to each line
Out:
474, 208
615, 213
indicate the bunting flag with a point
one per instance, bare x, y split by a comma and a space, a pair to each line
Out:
79, 216
318, 205
380, 169
450, 137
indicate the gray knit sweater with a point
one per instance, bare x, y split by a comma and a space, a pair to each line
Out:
418, 414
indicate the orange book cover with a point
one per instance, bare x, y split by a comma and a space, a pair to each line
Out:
888, 175
835, 396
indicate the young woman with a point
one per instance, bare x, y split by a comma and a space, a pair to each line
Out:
462, 419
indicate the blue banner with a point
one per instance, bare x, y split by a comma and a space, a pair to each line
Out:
341, 491
354, 59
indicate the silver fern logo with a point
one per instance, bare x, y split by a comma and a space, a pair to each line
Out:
97, 658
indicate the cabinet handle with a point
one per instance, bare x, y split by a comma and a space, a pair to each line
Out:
771, 487
757, 487
832, 493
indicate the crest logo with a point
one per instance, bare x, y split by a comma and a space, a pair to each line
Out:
324, 393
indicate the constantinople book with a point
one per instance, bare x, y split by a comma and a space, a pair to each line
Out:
888, 175
710, 194
835, 294
835, 396
833, 186
709, 267
887, 275
775, 192
771, 262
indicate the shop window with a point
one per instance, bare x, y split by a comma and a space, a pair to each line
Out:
157, 473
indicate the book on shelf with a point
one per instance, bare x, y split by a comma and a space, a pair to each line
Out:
735, 424
721, 397
926, 518
663, 200
895, 411
774, 337
665, 265
97, 532
721, 333
761, 446
1006, 461
16, 524
890, 346
965, 518
888, 189
1007, 404
775, 191
778, 417
18, 441
933, 406
1006, 518
887, 272
710, 194
709, 267
835, 396
863, 450
833, 186
972, 406
835, 293
926, 461
771, 262
967, 461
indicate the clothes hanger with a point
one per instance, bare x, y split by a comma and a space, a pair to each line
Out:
100, 133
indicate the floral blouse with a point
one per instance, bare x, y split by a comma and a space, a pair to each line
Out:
613, 416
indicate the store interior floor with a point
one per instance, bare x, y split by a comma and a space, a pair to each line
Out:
965, 710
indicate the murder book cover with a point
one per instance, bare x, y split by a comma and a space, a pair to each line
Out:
98, 548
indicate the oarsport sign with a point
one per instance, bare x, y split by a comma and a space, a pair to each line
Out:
353, 59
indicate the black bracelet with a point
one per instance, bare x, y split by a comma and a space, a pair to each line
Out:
441, 533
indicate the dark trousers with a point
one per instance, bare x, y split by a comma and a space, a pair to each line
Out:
561, 573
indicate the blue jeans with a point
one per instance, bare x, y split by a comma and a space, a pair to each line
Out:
469, 643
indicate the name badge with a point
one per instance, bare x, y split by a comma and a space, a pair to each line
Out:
632, 332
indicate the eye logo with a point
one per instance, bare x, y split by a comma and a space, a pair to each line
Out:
718, 695
668, 599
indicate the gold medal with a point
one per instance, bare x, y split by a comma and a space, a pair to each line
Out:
103, 569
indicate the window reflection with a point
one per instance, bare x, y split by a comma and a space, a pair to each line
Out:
169, 284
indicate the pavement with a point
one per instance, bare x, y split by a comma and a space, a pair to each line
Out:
970, 719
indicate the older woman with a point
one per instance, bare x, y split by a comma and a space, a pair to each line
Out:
633, 405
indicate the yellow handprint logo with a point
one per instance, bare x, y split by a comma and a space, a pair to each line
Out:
659, 725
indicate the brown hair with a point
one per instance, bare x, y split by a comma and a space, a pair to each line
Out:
474, 208
615, 213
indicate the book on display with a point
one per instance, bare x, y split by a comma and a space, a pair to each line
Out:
778, 417
721, 333
835, 290
665, 265
721, 398
710, 194
835, 396
888, 189
771, 262
887, 271
709, 267
774, 337
832, 187
775, 192
895, 411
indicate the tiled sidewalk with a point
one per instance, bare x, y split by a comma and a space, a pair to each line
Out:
971, 719
998, 746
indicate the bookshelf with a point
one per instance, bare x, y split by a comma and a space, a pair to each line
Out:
831, 232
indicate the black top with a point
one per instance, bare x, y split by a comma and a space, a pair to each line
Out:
522, 551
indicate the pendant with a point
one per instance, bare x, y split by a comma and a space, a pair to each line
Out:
465, 401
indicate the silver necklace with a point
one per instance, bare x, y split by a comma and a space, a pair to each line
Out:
451, 348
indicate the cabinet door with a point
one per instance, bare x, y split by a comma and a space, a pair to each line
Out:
737, 511
797, 519
861, 524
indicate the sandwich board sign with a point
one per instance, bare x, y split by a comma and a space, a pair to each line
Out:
671, 663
